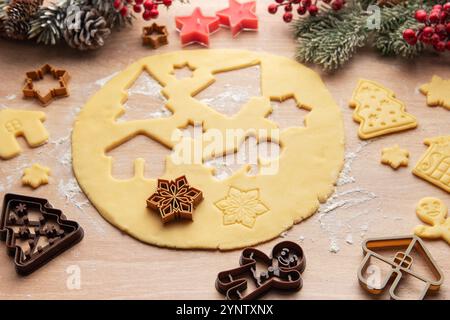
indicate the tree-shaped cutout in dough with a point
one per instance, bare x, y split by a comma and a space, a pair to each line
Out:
144, 100
232, 89
288, 114
149, 158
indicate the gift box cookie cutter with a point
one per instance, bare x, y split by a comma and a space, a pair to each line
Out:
62, 76
15, 224
285, 266
400, 265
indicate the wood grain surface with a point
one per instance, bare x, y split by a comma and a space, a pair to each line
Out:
380, 201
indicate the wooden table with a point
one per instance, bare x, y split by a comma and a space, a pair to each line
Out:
115, 266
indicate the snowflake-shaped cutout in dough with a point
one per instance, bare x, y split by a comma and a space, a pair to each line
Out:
437, 92
395, 156
35, 176
241, 206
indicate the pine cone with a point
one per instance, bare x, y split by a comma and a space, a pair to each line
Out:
85, 28
18, 18
48, 25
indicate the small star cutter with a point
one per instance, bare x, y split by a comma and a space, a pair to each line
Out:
155, 36
62, 76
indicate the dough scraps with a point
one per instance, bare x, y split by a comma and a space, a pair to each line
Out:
437, 92
434, 166
395, 156
307, 168
16, 123
433, 211
35, 176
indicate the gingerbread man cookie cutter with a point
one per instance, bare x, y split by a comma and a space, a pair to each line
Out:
433, 212
371, 278
62, 76
18, 229
284, 269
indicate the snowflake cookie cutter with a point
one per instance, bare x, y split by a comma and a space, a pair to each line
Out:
175, 199
284, 272
24, 233
155, 36
400, 266
62, 76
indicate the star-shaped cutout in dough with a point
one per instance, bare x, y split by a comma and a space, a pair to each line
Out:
437, 92
196, 28
175, 199
395, 156
35, 176
239, 16
241, 206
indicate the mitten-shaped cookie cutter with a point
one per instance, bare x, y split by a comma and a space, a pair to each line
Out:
400, 266
284, 269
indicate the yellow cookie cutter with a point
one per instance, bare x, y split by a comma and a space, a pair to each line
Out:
401, 265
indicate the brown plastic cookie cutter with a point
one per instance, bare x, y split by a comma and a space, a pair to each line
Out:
175, 199
401, 266
284, 269
155, 36
35, 232
62, 76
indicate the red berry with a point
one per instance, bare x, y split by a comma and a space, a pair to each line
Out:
146, 15
301, 10
148, 4
443, 15
137, 8
409, 34
273, 8
138, 2
447, 7
337, 5
279, 1
440, 29
313, 10
447, 27
448, 45
117, 4
434, 17
427, 32
306, 3
154, 13
437, 7
435, 39
167, 3
124, 11
440, 46
288, 8
421, 16
287, 17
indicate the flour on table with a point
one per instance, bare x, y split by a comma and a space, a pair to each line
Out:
101, 82
10, 97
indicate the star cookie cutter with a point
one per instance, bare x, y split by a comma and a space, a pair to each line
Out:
62, 76
24, 225
155, 36
400, 266
284, 269
175, 199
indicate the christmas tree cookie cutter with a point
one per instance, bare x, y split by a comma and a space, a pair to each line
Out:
19, 229
400, 266
284, 268
378, 111
155, 36
62, 76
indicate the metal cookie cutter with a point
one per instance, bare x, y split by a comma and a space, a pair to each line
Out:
35, 232
401, 266
284, 268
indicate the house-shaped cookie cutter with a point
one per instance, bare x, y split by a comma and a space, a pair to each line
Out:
400, 265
